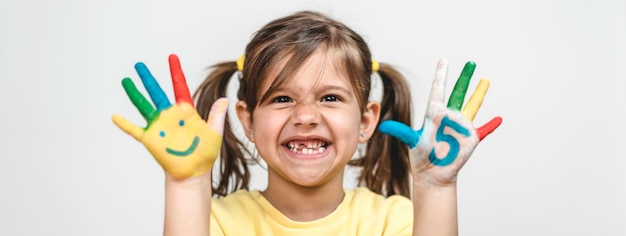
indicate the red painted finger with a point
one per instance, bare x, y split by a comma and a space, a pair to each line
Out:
181, 90
486, 129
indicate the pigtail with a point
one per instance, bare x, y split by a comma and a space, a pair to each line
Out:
233, 167
386, 166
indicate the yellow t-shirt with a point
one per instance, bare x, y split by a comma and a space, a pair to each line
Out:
362, 212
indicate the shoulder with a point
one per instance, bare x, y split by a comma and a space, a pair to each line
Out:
240, 199
237, 208
365, 196
236, 205
394, 214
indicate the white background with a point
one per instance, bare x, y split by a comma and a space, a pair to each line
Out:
557, 71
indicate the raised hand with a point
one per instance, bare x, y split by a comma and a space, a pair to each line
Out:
447, 138
178, 138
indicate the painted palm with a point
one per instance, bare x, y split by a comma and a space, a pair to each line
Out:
178, 138
447, 138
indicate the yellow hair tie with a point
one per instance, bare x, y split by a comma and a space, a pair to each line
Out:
240, 62
241, 59
375, 65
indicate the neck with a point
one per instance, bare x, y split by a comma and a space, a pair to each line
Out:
301, 203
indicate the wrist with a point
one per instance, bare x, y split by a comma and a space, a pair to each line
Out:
190, 182
427, 182
187, 205
435, 209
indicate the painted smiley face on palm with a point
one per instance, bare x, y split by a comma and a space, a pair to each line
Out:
178, 138
180, 141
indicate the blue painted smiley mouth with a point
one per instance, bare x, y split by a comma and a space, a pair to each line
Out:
189, 150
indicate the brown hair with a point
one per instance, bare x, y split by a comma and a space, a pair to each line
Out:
386, 168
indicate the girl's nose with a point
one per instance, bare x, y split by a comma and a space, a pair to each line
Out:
306, 114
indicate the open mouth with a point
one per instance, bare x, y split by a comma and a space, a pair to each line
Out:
306, 147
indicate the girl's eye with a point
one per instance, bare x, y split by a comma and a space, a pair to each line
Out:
281, 99
330, 98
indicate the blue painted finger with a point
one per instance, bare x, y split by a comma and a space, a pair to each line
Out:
152, 86
401, 131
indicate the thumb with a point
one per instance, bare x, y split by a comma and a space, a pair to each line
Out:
401, 131
128, 127
217, 115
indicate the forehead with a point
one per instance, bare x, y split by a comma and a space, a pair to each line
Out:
319, 67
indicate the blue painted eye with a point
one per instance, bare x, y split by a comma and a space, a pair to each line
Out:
162, 133
181, 123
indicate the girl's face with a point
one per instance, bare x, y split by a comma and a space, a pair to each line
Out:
308, 129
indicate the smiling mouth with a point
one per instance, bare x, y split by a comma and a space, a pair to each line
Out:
192, 147
308, 147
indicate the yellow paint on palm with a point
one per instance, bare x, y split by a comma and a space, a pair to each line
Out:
180, 141
176, 136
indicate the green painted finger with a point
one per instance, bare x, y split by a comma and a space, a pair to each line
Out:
145, 108
460, 88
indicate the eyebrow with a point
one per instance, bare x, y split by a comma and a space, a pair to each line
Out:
333, 87
318, 88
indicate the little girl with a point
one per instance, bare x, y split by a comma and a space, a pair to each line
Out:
303, 101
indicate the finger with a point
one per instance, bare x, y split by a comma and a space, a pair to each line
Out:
152, 86
181, 91
437, 91
401, 131
131, 129
217, 115
476, 100
486, 129
141, 103
460, 88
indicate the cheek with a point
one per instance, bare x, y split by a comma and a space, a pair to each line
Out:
349, 121
265, 125
266, 134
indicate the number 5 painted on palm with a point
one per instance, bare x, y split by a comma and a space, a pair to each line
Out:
451, 117
453, 142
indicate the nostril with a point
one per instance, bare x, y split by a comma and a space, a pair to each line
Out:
306, 115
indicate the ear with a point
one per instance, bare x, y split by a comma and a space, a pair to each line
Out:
245, 118
369, 120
